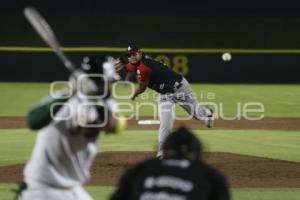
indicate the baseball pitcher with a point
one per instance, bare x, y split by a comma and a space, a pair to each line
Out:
172, 87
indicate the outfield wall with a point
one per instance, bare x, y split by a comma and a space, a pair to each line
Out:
160, 24
203, 66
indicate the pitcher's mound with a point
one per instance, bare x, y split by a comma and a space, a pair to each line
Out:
241, 171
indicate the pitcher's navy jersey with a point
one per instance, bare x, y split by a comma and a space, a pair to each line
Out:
175, 178
158, 76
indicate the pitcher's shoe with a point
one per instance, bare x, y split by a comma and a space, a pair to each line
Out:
209, 120
159, 157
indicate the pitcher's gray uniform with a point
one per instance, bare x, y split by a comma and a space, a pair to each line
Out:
65, 150
184, 97
172, 87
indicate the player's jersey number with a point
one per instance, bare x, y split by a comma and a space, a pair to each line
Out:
178, 63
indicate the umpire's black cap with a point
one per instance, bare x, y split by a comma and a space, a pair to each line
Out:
182, 141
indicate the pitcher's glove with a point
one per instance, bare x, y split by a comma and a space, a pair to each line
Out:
120, 64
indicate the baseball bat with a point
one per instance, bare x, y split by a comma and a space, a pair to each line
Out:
44, 30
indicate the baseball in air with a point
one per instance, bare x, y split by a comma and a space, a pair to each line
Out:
226, 57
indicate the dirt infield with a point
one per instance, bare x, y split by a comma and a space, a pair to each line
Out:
290, 124
242, 171
12, 122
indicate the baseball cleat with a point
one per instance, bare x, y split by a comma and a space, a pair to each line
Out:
209, 120
159, 157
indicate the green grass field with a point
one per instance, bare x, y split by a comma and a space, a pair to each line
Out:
103, 193
279, 101
16, 144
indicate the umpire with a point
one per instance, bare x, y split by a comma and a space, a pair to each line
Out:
181, 175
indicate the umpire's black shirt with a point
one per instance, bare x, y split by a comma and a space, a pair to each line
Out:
172, 179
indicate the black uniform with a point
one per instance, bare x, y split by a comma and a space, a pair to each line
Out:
174, 178
158, 76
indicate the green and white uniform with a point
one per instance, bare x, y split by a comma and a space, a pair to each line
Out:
64, 152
